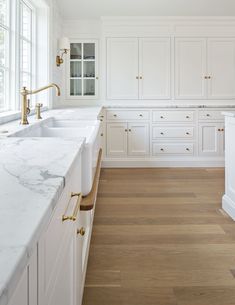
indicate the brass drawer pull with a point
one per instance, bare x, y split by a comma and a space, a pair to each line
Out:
162, 149
141, 115
162, 117
187, 133
76, 209
187, 117
81, 231
208, 115
115, 115
162, 133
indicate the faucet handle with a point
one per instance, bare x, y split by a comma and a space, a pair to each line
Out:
28, 106
38, 107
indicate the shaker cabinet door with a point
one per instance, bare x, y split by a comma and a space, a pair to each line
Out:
221, 68
122, 68
190, 68
138, 139
155, 70
117, 139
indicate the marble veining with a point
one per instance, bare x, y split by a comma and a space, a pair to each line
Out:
33, 173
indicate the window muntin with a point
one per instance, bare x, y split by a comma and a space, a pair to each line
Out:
4, 54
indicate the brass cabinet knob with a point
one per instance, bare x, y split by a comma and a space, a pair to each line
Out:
81, 231
130, 130
162, 149
187, 117
137, 77
141, 115
187, 149
219, 129
208, 114
162, 133
161, 117
97, 77
141, 77
187, 133
101, 134
115, 115
126, 130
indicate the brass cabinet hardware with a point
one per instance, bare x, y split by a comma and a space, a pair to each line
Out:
222, 129
101, 116
141, 115
162, 149
137, 77
161, 117
187, 149
81, 231
101, 120
76, 209
187, 133
97, 77
101, 134
208, 114
219, 129
130, 130
162, 133
187, 117
115, 115
126, 130
141, 77
209, 77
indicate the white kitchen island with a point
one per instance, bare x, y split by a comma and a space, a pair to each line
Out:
229, 196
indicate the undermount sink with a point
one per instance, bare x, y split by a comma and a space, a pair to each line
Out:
91, 148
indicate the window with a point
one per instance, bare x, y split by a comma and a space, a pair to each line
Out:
4, 54
17, 51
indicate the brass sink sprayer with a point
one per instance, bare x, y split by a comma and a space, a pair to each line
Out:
25, 108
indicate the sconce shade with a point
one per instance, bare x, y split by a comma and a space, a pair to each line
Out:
64, 43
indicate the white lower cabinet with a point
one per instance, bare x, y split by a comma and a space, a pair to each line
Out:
58, 257
127, 139
211, 139
26, 290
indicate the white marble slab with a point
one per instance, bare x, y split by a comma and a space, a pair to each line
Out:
173, 106
33, 173
229, 114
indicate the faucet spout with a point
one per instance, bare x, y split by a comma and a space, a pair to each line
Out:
25, 92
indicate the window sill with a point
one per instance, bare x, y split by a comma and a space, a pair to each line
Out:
9, 116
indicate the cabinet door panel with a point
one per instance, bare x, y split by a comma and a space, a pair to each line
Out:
138, 139
117, 139
20, 296
155, 71
209, 139
221, 68
122, 68
190, 69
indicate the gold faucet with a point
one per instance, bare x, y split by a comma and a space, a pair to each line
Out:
25, 105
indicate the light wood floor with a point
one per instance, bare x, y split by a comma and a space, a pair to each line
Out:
160, 238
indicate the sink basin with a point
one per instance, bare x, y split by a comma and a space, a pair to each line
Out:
91, 148
59, 123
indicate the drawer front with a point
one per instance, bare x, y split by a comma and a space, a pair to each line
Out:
211, 115
173, 148
162, 132
173, 116
123, 115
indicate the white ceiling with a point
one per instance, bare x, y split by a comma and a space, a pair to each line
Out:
90, 9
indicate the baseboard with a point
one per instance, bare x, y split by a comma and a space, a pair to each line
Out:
154, 162
228, 206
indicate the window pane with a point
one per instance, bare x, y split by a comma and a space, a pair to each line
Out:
75, 87
25, 56
2, 90
76, 51
25, 80
89, 51
4, 12
26, 21
3, 47
89, 86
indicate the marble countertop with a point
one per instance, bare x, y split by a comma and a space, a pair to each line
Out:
33, 173
228, 114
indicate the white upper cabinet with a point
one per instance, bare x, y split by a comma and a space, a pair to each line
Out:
190, 68
221, 68
82, 70
204, 68
122, 68
154, 68
138, 68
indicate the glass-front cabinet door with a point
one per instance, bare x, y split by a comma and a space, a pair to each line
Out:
83, 70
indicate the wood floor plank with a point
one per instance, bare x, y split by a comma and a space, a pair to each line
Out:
160, 238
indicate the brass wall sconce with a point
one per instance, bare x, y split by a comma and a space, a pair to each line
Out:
64, 47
